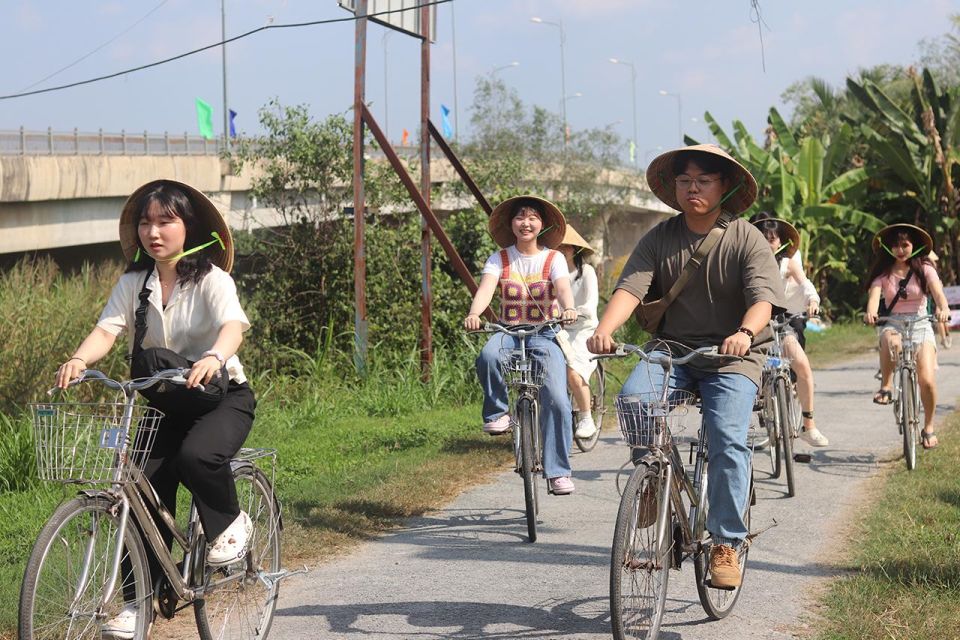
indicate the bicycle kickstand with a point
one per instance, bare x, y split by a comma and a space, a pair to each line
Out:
754, 534
270, 579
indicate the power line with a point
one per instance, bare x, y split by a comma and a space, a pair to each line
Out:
110, 41
292, 25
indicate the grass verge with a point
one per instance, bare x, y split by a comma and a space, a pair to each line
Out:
842, 341
905, 555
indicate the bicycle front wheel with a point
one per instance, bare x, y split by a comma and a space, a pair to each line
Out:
63, 586
771, 422
786, 433
597, 409
243, 608
526, 420
909, 417
640, 559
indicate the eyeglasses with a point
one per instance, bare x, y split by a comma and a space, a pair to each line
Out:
685, 182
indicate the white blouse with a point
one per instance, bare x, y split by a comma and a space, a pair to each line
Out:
799, 294
192, 320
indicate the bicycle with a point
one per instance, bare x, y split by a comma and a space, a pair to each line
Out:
524, 373
779, 404
90, 558
598, 389
663, 508
906, 386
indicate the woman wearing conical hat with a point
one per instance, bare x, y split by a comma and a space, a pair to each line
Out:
177, 294
902, 276
784, 241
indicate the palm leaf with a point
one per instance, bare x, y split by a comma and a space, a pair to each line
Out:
784, 135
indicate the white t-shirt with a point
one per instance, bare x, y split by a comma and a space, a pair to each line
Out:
527, 268
191, 322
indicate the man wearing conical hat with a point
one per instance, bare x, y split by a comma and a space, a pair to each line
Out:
727, 303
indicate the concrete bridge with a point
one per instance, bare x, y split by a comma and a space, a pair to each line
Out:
51, 197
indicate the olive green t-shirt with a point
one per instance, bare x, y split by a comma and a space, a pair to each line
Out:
739, 271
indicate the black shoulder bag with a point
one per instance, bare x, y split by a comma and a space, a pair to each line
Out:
166, 396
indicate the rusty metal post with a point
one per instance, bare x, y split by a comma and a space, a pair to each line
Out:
460, 169
359, 204
426, 292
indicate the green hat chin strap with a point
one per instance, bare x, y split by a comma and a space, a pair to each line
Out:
910, 257
216, 240
543, 231
782, 247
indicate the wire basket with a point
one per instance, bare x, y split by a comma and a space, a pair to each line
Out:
646, 421
87, 442
523, 368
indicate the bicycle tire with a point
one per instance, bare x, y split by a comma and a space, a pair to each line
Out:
597, 409
786, 435
641, 556
525, 421
56, 563
908, 419
717, 603
244, 608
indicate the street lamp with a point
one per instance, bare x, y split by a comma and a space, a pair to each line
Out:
633, 85
506, 66
679, 112
563, 78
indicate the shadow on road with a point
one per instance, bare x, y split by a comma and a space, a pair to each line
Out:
463, 620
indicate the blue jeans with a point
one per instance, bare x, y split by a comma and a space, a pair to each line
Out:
727, 401
555, 412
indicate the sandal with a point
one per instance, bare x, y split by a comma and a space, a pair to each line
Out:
884, 396
925, 437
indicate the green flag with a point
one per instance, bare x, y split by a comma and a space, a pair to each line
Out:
205, 119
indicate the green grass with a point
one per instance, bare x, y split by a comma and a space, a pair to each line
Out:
904, 556
842, 341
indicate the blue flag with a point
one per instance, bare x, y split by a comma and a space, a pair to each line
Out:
445, 121
233, 129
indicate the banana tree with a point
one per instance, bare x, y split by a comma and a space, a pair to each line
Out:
918, 146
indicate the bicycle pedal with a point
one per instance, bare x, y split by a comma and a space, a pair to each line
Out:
710, 584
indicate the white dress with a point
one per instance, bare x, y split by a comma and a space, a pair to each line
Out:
586, 296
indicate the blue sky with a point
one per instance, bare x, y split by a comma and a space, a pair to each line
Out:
707, 52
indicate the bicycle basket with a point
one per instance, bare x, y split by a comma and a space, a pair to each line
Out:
646, 421
523, 368
87, 442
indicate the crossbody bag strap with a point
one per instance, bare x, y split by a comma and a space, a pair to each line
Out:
697, 258
901, 291
140, 319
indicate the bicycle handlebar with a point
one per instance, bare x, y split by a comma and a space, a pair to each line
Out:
906, 322
176, 376
659, 357
776, 325
519, 330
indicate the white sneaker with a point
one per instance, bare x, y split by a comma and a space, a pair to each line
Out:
122, 626
586, 427
231, 545
813, 437
498, 426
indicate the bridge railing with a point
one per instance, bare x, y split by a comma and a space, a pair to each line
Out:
75, 143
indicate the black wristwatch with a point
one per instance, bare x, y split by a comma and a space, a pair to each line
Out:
746, 332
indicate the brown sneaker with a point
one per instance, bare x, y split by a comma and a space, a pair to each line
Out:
724, 567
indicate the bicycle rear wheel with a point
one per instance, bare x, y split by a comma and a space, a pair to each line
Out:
597, 409
71, 561
526, 423
786, 433
717, 603
243, 608
641, 555
909, 417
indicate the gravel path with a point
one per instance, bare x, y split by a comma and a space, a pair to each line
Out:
466, 571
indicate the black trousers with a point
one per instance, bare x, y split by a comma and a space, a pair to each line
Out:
799, 325
196, 451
